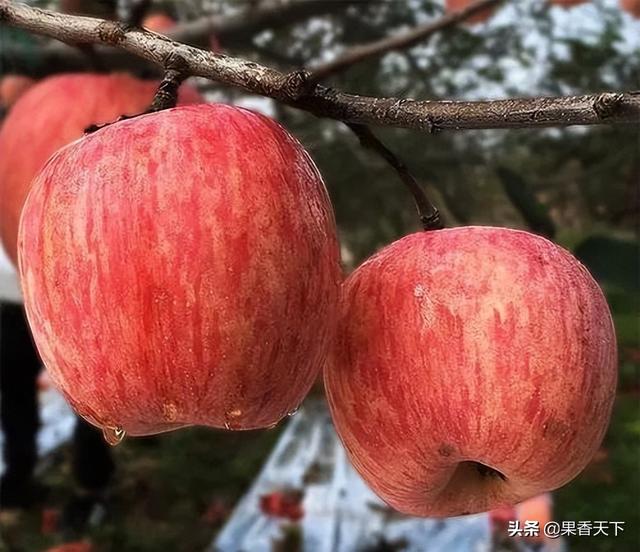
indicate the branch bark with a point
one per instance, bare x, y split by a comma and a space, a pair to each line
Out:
397, 42
295, 90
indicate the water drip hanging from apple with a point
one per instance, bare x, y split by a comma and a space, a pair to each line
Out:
113, 435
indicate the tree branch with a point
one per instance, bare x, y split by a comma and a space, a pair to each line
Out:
397, 42
429, 214
294, 89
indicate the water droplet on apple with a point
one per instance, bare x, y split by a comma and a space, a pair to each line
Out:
293, 412
230, 417
272, 426
113, 435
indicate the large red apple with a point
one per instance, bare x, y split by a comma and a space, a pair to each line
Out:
181, 268
452, 6
53, 113
473, 368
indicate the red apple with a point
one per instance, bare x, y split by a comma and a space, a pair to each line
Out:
473, 368
631, 6
51, 114
181, 268
452, 6
12, 87
158, 22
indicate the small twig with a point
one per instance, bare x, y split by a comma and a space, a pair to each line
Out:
165, 97
167, 94
429, 214
397, 42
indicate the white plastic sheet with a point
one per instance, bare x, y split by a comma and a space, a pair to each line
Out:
341, 514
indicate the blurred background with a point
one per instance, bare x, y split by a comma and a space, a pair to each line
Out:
578, 186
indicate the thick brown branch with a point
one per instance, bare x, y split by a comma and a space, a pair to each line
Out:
429, 214
397, 42
293, 89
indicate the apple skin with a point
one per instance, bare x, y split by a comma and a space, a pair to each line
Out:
467, 351
12, 87
181, 268
452, 6
53, 113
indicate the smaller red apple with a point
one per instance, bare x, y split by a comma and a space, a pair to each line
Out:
472, 368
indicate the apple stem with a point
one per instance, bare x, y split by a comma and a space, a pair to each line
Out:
167, 94
428, 212
166, 97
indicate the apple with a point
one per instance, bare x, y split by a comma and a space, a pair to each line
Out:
12, 87
181, 268
452, 6
473, 368
53, 113
632, 7
158, 22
